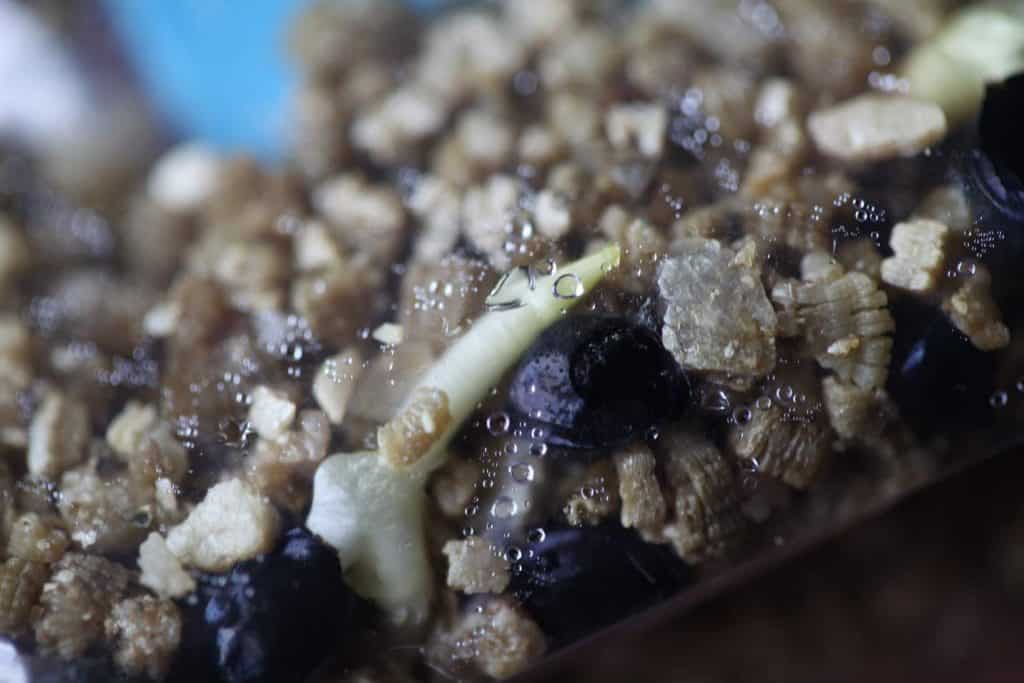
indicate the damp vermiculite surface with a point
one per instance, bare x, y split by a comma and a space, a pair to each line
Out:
555, 310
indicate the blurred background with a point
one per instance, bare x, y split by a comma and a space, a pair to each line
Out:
933, 590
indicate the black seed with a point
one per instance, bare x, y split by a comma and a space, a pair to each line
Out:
939, 379
999, 127
993, 176
577, 580
274, 618
593, 381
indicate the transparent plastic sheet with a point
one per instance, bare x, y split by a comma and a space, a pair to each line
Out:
974, 422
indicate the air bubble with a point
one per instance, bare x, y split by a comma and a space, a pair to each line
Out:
521, 472
504, 508
513, 554
498, 423
763, 403
998, 399
536, 535
716, 402
567, 286
742, 415
538, 450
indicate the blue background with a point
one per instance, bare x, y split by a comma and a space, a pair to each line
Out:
216, 69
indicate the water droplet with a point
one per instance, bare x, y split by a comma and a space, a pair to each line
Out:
536, 535
567, 286
539, 449
513, 554
511, 448
142, 518
498, 423
521, 472
716, 402
742, 415
504, 508
763, 403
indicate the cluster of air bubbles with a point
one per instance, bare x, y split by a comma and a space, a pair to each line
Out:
867, 218
186, 429
288, 338
689, 128
130, 373
674, 202
341, 370
888, 82
981, 242
727, 176
964, 268
519, 233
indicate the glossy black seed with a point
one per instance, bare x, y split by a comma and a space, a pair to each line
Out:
274, 618
993, 178
577, 580
999, 127
593, 381
940, 380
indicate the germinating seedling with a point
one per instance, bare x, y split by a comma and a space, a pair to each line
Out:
372, 512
